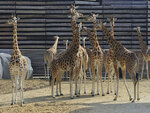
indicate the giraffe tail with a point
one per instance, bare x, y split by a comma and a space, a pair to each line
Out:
120, 72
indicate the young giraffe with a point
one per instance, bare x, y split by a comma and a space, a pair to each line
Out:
145, 51
127, 59
17, 65
96, 56
84, 61
49, 55
109, 57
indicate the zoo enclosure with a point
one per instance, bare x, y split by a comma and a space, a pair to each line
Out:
43, 19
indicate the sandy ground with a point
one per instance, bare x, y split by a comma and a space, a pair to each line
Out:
38, 99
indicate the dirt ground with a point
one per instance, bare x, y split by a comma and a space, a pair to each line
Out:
38, 99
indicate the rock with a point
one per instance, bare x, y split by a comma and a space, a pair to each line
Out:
4, 66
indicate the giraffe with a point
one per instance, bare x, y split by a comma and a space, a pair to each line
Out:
69, 58
127, 59
108, 62
145, 51
84, 61
49, 55
96, 55
17, 65
74, 16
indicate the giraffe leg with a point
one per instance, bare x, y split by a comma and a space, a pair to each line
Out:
108, 71
61, 94
79, 73
93, 79
134, 92
138, 97
115, 84
21, 92
52, 83
117, 79
147, 70
57, 81
16, 81
71, 83
111, 79
13, 87
84, 72
142, 68
124, 80
45, 69
48, 74
100, 74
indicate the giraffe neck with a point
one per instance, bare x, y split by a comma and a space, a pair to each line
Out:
93, 39
74, 47
84, 43
67, 45
16, 50
112, 42
94, 28
73, 26
55, 44
111, 29
142, 44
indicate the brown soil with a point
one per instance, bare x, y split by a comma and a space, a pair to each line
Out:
38, 99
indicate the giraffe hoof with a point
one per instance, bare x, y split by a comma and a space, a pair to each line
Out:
97, 93
75, 94
107, 92
138, 98
57, 95
115, 93
93, 95
130, 99
103, 94
110, 91
71, 97
78, 95
12, 104
61, 94
84, 92
115, 99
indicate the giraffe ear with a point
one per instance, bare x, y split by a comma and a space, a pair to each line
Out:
138, 28
115, 19
18, 18
76, 7
96, 15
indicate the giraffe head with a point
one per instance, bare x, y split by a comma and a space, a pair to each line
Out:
75, 16
112, 21
138, 29
79, 26
13, 20
73, 8
100, 25
83, 38
91, 17
56, 37
84, 29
